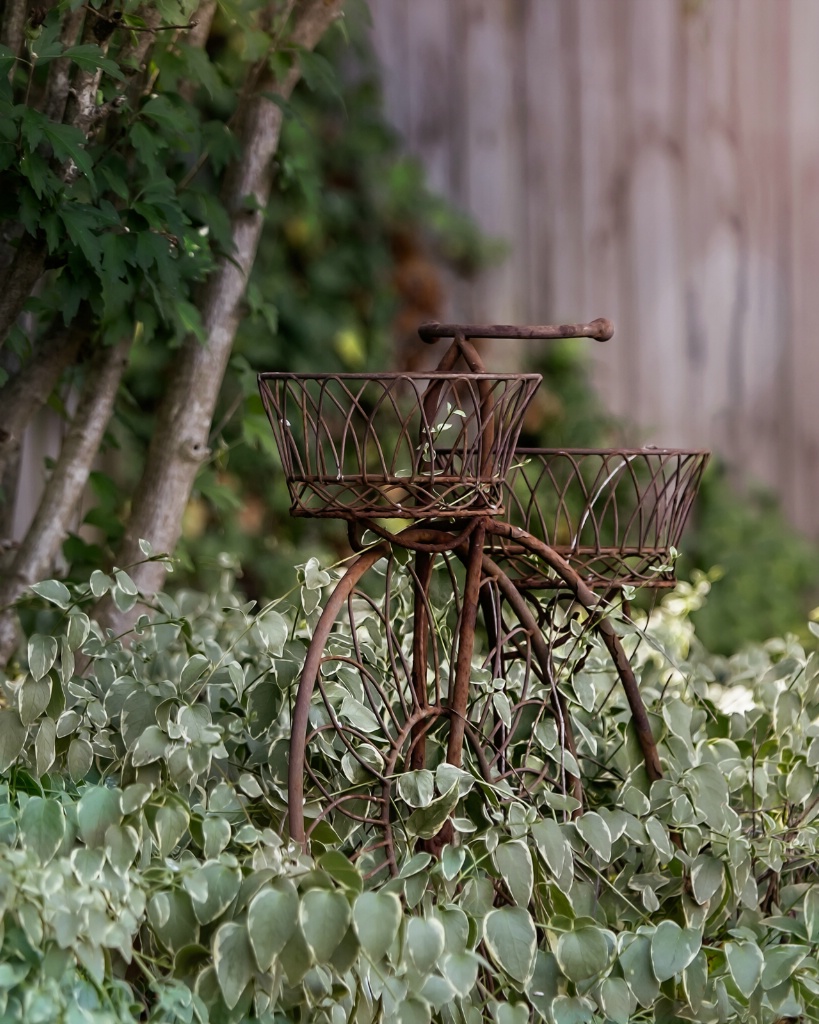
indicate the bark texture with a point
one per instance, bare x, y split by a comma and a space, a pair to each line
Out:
180, 439
37, 553
14, 25
30, 387
27, 264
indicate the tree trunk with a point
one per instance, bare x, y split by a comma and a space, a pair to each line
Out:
37, 553
29, 388
13, 27
179, 442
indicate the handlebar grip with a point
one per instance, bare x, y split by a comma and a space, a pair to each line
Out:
600, 329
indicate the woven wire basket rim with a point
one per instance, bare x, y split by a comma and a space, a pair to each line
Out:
435, 493
646, 450
400, 375
598, 562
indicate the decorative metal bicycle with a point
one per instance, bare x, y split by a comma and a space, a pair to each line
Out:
394, 699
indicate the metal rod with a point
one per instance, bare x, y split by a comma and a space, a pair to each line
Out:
459, 695
585, 595
307, 682
600, 329
420, 647
541, 648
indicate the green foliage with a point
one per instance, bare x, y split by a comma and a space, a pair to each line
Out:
347, 212
145, 870
766, 574
125, 233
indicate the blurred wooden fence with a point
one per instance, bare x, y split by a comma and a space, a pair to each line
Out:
654, 161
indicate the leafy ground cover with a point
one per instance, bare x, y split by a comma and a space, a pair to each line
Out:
146, 873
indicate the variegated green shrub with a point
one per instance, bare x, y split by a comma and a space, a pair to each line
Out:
145, 873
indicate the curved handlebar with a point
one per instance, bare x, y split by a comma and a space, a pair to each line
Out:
600, 329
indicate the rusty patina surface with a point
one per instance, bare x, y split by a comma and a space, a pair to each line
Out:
428, 463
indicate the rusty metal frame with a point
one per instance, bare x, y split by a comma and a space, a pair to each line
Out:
508, 525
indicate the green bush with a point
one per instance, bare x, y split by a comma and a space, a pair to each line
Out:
146, 874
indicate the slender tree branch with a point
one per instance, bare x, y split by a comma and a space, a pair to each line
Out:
29, 388
19, 280
202, 19
179, 442
14, 26
198, 37
59, 73
81, 104
38, 551
9, 482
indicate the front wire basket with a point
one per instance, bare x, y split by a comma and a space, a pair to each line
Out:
615, 515
397, 445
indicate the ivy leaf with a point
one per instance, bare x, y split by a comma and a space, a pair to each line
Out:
417, 788
121, 846
412, 1011
80, 758
658, 834
448, 775
673, 948
151, 746
695, 981
571, 1010
45, 746
745, 962
325, 917
709, 793
233, 961
53, 591
616, 1000
514, 862
461, 971
99, 583
511, 939
425, 942
220, 884
170, 824
314, 576
812, 914
377, 918
358, 715
426, 822
42, 653
780, 963
271, 921
216, 835
274, 630
596, 833
339, 868
583, 953
638, 970
512, 1013
33, 698
12, 738
79, 626
98, 809
552, 844
42, 825
503, 708
707, 874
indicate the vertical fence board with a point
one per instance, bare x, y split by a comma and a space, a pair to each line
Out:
656, 161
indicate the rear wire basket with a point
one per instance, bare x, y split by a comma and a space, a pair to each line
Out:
397, 445
615, 515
